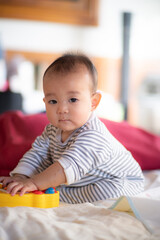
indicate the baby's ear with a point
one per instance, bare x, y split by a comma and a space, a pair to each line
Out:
96, 98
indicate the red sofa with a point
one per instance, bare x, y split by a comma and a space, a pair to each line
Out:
18, 131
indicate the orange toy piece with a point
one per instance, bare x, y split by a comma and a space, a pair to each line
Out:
40, 199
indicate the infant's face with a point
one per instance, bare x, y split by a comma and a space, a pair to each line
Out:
68, 100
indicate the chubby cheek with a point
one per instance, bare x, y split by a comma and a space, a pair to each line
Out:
50, 115
82, 114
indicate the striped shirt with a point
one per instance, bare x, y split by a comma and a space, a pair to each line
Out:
96, 165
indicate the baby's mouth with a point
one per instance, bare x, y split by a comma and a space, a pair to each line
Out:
63, 120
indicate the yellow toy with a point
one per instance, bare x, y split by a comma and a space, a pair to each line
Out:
40, 199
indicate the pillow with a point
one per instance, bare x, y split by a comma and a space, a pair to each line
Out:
18, 131
144, 146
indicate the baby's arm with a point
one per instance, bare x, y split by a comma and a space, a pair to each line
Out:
51, 177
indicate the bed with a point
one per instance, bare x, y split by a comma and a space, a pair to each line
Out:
124, 218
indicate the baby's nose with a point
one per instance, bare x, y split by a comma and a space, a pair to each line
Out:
62, 108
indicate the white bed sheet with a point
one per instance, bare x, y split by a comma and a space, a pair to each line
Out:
79, 222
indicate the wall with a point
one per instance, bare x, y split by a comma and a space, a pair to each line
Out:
104, 41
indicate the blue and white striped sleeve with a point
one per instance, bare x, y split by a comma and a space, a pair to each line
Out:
36, 159
89, 151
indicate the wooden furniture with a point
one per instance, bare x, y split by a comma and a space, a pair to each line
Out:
108, 69
82, 12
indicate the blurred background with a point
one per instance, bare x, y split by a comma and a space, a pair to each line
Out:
121, 37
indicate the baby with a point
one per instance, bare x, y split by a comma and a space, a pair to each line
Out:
75, 153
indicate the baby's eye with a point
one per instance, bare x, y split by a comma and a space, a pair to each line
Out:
73, 100
52, 102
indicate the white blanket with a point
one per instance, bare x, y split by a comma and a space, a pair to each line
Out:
79, 222
145, 209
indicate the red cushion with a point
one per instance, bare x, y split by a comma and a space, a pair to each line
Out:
144, 146
18, 131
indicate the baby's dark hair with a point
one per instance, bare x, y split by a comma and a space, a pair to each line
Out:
69, 63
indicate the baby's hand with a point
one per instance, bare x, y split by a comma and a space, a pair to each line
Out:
6, 180
22, 186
